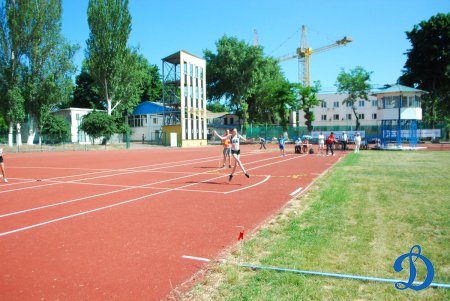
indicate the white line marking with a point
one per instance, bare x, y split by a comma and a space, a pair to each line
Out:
200, 160
120, 203
196, 258
248, 187
296, 191
98, 209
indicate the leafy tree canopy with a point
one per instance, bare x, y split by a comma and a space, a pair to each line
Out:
99, 124
216, 107
428, 65
85, 94
56, 128
356, 83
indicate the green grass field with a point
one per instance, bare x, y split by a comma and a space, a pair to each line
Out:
357, 219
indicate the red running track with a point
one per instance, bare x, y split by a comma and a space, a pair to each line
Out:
105, 225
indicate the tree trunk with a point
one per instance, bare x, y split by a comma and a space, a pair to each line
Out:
357, 120
31, 131
108, 101
18, 135
10, 134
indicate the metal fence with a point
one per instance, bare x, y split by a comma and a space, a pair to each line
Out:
117, 141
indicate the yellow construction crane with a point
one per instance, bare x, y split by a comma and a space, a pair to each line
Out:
304, 52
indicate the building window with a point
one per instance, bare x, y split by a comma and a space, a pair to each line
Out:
191, 69
349, 116
185, 66
225, 121
77, 116
349, 104
196, 92
361, 116
361, 103
201, 73
137, 120
374, 115
155, 120
323, 117
374, 103
196, 71
323, 104
231, 120
336, 104
336, 117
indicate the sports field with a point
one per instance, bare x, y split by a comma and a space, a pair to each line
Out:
358, 219
108, 225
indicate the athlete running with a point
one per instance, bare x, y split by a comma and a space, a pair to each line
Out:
235, 151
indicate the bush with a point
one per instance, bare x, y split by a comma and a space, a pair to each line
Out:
56, 129
99, 124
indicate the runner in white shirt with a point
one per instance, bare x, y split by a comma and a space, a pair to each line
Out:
235, 151
357, 142
321, 143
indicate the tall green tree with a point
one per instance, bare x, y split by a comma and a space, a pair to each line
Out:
111, 63
232, 73
308, 100
151, 81
428, 65
85, 94
15, 25
50, 64
355, 83
269, 90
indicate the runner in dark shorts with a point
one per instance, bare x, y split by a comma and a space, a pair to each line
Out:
235, 151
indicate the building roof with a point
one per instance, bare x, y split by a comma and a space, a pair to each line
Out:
174, 58
210, 114
148, 107
399, 88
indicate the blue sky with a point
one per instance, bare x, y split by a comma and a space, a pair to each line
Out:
160, 28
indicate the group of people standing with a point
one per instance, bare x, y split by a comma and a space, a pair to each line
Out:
231, 147
331, 140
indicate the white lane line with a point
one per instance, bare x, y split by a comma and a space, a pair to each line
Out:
104, 176
196, 258
100, 208
120, 203
248, 187
95, 195
193, 161
296, 191
127, 188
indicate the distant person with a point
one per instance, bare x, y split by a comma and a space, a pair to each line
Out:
262, 142
143, 138
321, 139
357, 143
281, 145
305, 146
226, 149
2, 166
330, 143
298, 146
344, 141
235, 138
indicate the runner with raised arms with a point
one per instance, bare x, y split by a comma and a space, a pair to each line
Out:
235, 151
